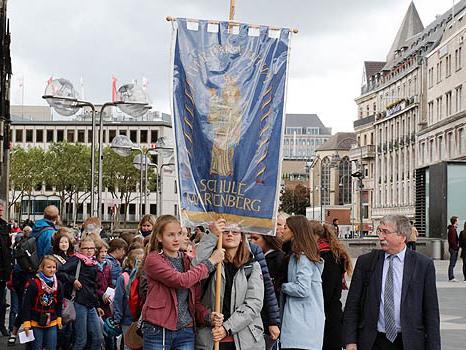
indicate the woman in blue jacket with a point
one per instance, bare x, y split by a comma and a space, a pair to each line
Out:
303, 311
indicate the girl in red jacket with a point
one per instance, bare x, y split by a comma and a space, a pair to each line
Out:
42, 305
172, 305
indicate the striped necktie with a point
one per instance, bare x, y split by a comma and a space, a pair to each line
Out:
389, 303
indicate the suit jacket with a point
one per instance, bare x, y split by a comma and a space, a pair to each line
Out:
419, 311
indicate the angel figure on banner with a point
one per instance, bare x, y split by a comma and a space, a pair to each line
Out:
225, 117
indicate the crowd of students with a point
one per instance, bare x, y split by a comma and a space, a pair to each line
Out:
156, 288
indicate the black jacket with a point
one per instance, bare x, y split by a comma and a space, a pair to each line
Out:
331, 287
270, 309
5, 251
419, 315
274, 263
87, 295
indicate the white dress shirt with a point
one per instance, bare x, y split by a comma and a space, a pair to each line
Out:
398, 266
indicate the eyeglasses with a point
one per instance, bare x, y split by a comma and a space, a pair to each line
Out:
87, 248
381, 231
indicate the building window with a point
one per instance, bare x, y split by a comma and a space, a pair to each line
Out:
439, 72
458, 98
430, 111
133, 135
430, 77
451, 149
29, 135
325, 182
344, 183
431, 151
447, 103
81, 135
19, 135
143, 136
89, 136
440, 148
122, 132
70, 136
458, 58
39, 135
49, 135
447, 66
111, 135
154, 136
439, 108
460, 141
60, 135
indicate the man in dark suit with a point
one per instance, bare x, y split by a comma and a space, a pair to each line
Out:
392, 302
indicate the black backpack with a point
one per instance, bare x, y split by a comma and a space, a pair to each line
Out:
25, 252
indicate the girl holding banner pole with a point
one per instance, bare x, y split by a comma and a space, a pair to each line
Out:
172, 307
241, 293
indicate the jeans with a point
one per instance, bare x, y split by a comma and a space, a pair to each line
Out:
87, 328
44, 338
158, 338
451, 266
13, 310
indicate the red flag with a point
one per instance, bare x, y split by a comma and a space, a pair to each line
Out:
114, 89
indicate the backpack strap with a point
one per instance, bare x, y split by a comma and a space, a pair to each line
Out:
248, 270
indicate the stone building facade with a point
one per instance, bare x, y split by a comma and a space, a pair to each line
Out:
398, 98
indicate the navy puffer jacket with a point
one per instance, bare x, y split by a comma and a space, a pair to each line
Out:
270, 308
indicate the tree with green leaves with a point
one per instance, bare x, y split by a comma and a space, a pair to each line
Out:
68, 169
295, 200
27, 172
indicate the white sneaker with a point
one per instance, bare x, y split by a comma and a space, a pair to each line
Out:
453, 280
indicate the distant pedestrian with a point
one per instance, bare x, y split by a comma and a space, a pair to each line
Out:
336, 227
453, 247
462, 244
44, 229
392, 301
412, 239
303, 312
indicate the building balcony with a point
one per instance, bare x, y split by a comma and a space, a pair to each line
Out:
364, 152
364, 121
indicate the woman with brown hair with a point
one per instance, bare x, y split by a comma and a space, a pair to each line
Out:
337, 263
303, 311
242, 293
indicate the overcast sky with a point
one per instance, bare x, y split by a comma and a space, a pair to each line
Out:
98, 39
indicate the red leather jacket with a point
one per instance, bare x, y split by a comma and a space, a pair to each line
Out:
163, 279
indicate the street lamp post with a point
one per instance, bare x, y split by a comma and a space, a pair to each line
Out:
61, 95
123, 146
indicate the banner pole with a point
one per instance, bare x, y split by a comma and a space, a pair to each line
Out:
232, 10
218, 285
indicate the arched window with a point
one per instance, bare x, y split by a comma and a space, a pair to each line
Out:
344, 181
325, 182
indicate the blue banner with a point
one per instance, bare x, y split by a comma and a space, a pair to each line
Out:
228, 109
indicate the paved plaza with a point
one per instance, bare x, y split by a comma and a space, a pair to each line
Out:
452, 298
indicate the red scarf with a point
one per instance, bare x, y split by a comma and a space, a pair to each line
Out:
324, 246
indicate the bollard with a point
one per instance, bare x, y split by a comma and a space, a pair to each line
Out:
436, 249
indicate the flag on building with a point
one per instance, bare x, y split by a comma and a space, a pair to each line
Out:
114, 89
228, 107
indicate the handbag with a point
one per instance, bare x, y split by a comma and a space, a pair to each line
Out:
132, 338
68, 312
